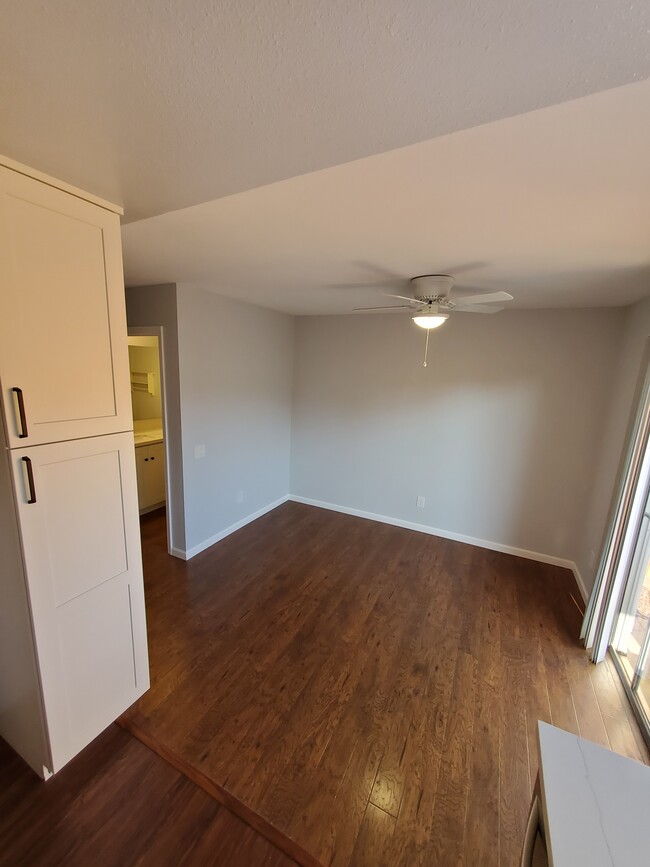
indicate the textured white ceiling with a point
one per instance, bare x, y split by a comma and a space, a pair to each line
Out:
552, 206
159, 104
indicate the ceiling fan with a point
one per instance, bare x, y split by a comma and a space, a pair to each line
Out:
432, 303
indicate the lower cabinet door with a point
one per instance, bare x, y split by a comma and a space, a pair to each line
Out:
78, 516
150, 467
141, 452
157, 473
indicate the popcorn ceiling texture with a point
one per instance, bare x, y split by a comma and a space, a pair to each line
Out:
552, 206
159, 105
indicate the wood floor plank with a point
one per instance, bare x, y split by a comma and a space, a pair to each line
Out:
591, 724
403, 719
563, 712
452, 791
617, 724
481, 847
118, 805
533, 604
322, 672
380, 680
514, 671
429, 729
374, 839
644, 751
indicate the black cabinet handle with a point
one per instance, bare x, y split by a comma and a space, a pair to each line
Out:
30, 480
21, 412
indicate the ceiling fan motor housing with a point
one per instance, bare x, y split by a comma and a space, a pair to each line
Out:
432, 287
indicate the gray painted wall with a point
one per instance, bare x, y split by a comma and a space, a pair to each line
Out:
513, 434
236, 370
501, 433
622, 408
156, 305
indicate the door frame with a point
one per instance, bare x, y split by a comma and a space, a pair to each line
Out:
159, 332
624, 522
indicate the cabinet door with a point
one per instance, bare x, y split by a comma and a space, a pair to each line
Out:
141, 452
150, 464
81, 548
156, 467
63, 323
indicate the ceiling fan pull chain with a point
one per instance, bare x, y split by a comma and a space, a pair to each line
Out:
426, 349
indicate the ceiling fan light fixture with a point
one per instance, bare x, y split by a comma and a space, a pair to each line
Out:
430, 320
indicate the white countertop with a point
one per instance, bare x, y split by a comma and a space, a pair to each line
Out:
148, 439
147, 431
596, 803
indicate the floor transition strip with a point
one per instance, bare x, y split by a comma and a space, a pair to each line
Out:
258, 823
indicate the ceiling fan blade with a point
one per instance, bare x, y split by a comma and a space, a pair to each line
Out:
463, 268
403, 298
487, 298
377, 284
390, 307
379, 269
479, 308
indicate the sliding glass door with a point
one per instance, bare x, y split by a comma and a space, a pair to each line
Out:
631, 637
618, 613
625, 538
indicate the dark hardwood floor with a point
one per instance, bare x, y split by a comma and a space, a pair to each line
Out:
115, 805
369, 692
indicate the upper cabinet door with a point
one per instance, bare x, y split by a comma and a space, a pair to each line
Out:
63, 350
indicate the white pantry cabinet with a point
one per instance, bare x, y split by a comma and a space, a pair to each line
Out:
73, 647
63, 352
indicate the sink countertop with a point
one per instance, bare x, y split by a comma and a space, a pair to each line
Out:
148, 438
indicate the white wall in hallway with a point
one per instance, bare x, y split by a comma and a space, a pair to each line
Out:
501, 433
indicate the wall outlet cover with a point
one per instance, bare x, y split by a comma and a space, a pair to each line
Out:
420, 502
199, 451
240, 496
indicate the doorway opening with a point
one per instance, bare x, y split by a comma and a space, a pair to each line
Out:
147, 374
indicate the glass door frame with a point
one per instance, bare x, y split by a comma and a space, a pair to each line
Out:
631, 673
625, 519
638, 708
601, 625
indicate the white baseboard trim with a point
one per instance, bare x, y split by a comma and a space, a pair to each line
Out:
395, 522
207, 543
580, 582
148, 509
178, 552
447, 534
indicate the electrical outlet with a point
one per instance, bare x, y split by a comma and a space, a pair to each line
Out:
420, 502
199, 451
240, 496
